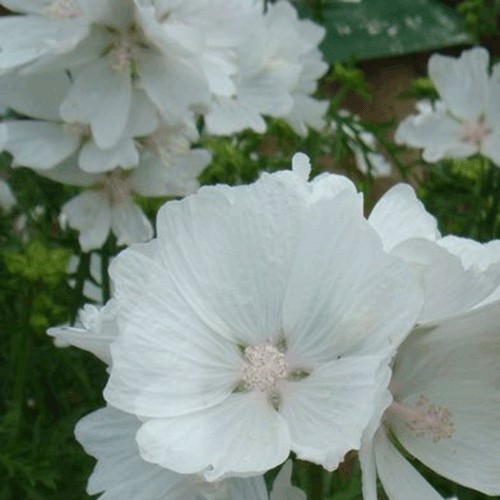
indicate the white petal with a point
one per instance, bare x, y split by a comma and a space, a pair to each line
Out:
25, 6
306, 112
109, 435
129, 223
37, 96
94, 160
448, 287
328, 410
229, 115
26, 38
110, 13
243, 435
492, 115
96, 331
350, 297
455, 365
90, 214
39, 145
399, 215
163, 339
173, 84
282, 486
400, 480
68, 172
366, 453
462, 83
238, 259
178, 177
437, 133
101, 97
143, 116
490, 147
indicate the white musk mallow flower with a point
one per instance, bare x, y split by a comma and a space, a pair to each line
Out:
466, 119
444, 411
258, 322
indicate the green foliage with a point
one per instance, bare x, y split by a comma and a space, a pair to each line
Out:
481, 16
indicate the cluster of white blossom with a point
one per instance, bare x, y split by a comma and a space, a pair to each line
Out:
276, 318
465, 120
111, 94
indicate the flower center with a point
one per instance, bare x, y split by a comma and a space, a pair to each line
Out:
117, 187
77, 130
63, 9
265, 365
474, 131
425, 418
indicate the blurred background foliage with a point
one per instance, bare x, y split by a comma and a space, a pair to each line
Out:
46, 389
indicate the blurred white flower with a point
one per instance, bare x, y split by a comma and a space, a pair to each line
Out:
443, 410
467, 118
271, 310
7, 198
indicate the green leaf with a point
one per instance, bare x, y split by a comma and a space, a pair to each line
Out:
366, 29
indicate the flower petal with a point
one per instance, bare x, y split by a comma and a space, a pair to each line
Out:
455, 364
100, 96
94, 160
328, 410
350, 297
129, 223
399, 215
243, 435
282, 486
163, 340
90, 214
37, 144
462, 83
399, 479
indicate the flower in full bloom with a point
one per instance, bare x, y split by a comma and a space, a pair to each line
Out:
443, 410
443, 397
108, 206
466, 119
258, 322
109, 435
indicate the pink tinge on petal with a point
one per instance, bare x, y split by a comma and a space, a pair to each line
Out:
474, 131
425, 418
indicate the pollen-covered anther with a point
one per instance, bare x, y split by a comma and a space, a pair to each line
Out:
425, 418
265, 365
474, 131
63, 9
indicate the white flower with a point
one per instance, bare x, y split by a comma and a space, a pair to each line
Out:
362, 144
450, 284
92, 287
7, 198
277, 71
467, 119
108, 434
257, 323
48, 140
444, 411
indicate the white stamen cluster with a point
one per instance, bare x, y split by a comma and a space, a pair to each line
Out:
265, 365
426, 418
